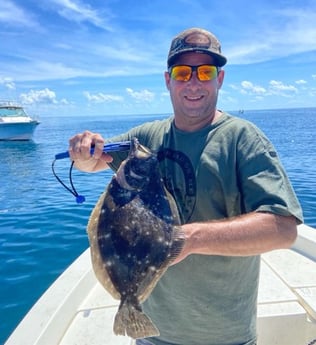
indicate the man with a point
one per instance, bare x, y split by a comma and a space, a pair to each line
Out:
233, 195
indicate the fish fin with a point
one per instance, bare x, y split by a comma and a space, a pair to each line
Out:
97, 261
103, 276
150, 285
133, 322
178, 239
177, 243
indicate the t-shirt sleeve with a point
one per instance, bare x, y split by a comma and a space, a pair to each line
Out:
263, 181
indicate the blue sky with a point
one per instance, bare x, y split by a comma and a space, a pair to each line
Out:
107, 57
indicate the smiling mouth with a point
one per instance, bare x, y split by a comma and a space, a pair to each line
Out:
193, 99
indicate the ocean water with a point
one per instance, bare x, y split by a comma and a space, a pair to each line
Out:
42, 228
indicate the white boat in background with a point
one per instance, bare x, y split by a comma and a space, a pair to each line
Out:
15, 123
77, 310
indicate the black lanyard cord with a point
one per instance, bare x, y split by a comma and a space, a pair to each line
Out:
79, 198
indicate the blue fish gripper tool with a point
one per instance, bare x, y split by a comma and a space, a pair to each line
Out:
110, 147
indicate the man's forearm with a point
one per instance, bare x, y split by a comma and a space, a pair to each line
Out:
249, 234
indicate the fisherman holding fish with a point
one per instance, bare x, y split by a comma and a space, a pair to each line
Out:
233, 197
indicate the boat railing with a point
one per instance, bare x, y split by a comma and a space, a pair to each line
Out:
15, 109
306, 242
6, 103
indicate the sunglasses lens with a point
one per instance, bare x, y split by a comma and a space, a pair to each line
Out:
181, 73
207, 72
184, 73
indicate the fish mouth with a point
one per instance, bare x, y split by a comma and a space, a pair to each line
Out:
134, 144
139, 151
139, 167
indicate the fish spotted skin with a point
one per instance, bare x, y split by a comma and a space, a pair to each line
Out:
134, 237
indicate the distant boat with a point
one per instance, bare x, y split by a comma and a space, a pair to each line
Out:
15, 123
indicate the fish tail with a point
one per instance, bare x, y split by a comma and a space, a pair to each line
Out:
131, 321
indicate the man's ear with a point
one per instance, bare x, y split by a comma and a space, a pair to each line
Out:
167, 80
220, 78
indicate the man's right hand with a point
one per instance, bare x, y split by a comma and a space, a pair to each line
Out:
79, 150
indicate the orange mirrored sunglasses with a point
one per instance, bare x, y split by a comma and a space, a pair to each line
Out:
184, 72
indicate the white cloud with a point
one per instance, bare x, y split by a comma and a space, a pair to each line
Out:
8, 83
44, 70
312, 92
79, 12
277, 33
274, 88
64, 101
39, 96
300, 27
102, 97
301, 82
12, 15
277, 86
249, 87
143, 95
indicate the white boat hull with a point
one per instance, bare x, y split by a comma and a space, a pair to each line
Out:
77, 310
18, 130
15, 123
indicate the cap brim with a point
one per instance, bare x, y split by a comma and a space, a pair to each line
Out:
220, 60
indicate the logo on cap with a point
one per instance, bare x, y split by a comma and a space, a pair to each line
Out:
197, 39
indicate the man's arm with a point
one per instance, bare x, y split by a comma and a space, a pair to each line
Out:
250, 234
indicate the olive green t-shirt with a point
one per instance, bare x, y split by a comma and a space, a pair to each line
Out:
225, 169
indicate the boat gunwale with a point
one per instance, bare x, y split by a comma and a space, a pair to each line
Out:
50, 317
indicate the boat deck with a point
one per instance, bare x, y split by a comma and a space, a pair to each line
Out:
287, 299
77, 310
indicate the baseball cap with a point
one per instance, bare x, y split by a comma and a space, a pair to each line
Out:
196, 40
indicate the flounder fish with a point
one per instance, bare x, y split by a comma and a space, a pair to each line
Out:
134, 235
